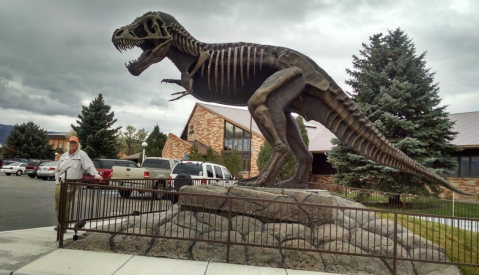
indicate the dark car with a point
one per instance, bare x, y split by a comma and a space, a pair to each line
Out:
5, 162
2, 162
104, 168
20, 160
32, 166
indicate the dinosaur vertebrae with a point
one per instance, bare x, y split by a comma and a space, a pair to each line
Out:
226, 55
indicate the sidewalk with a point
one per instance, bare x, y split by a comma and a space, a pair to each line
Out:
33, 251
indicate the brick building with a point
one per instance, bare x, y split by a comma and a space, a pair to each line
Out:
58, 140
220, 128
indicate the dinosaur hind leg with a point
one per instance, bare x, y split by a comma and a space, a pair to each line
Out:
303, 156
267, 107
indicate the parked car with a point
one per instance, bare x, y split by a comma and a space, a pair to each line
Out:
32, 166
17, 168
198, 173
47, 170
20, 160
105, 168
152, 168
2, 162
201, 173
32, 173
7, 162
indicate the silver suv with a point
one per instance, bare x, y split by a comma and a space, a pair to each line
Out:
201, 173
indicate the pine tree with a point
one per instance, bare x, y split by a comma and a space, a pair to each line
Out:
232, 161
194, 154
289, 166
211, 156
97, 137
28, 141
396, 91
156, 141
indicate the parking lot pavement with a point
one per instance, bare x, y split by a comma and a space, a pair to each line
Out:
26, 203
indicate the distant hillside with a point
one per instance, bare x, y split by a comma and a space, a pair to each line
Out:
4, 132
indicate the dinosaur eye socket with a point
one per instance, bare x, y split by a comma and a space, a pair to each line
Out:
140, 32
149, 24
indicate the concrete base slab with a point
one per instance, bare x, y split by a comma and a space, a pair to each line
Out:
140, 265
69, 262
306, 272
236, 269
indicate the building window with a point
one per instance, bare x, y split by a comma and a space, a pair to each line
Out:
192, 130
60, 144
236, 137
468, 167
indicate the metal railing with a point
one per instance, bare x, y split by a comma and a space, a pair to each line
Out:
388, 235
405, 202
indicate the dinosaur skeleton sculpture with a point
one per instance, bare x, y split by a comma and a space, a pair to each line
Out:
273, 82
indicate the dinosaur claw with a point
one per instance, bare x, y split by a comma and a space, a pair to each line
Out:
182, 94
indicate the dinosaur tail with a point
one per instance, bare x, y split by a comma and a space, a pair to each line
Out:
342, 117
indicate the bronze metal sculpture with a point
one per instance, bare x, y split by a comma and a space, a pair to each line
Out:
273, 82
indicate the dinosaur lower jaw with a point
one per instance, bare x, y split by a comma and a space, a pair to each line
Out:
138, 62
149, 57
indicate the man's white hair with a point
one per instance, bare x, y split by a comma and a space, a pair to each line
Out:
68, 146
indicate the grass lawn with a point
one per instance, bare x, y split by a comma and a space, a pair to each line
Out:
461, 245
418, 205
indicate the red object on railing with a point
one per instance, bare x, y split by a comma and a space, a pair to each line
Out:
204, 182
169, 182
146, 175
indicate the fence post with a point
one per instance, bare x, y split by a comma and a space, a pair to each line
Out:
61, 214
395, 243
453, 203
228, 243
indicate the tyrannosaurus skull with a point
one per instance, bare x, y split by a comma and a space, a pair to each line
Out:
148, 33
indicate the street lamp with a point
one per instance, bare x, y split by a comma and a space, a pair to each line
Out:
144, 144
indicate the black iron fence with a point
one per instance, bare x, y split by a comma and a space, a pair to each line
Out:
388, 235
405, 202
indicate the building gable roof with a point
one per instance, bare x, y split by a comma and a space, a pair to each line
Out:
467, 126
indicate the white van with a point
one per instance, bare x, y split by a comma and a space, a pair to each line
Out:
201, 173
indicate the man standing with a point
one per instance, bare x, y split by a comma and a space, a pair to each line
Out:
74, 162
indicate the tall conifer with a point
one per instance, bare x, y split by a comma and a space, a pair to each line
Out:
95, 129
28, 141
396, 91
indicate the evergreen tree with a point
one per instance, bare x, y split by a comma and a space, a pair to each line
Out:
98, 138
156, 141
194, 154
289, 166
211, 156
232, 161
396, 91
28, 141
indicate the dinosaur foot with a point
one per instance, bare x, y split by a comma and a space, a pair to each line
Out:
258, 181
250, 182
293, 184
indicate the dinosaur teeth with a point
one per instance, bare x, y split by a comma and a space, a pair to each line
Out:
137, 61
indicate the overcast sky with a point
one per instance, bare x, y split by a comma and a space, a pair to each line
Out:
56, 56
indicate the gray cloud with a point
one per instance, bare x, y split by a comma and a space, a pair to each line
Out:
57, 55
